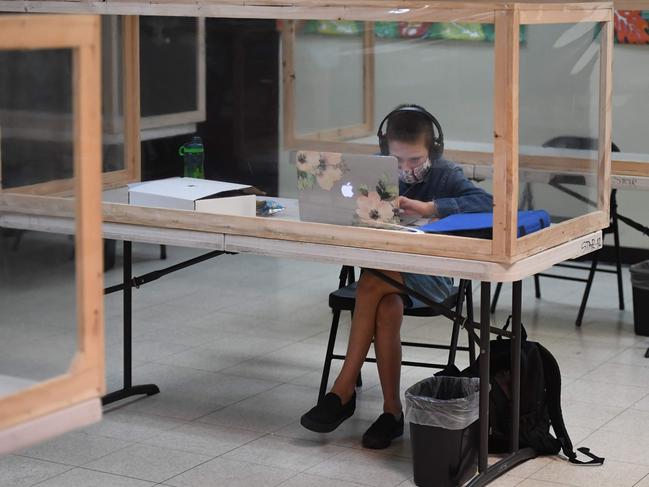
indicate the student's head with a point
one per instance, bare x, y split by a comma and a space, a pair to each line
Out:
410, 137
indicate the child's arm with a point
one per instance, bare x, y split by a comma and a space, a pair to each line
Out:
415, 207
466, 197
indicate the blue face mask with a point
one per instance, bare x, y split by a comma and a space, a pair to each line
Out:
416, 174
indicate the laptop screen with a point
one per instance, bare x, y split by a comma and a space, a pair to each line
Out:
347, 189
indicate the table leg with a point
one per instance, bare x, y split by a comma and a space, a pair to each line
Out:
487, 474
516, 364
128, 389
485, 322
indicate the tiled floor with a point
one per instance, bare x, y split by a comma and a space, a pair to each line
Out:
236, 345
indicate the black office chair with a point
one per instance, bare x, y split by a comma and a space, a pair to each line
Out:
583, 143
344, 299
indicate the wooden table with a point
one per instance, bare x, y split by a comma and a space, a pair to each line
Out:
220, 243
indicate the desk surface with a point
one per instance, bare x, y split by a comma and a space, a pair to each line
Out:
334, 254
479, 172
258, 241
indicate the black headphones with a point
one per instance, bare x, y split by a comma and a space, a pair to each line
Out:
436, 148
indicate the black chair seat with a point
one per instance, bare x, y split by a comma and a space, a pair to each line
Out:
344, 299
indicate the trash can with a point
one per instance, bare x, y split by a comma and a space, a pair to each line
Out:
444, 430
640, 282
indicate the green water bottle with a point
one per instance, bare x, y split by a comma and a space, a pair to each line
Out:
193, 155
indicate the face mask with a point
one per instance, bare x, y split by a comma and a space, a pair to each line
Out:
416, 174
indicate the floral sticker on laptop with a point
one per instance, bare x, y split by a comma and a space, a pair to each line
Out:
323, 168
380, 206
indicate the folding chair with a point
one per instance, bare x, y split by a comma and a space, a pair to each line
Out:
344, 299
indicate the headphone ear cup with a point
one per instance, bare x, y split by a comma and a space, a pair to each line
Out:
438, 142
435, 152
383, 145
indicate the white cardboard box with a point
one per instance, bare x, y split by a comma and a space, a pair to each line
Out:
194, 194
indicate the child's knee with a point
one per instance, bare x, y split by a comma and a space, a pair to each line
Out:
371, 283
368, 284
390, 311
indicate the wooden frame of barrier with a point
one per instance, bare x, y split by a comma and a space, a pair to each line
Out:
131, 126
507, 17
627, 167
41, 410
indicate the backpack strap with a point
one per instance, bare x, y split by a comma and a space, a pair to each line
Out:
523, 330
586, 451
553, 388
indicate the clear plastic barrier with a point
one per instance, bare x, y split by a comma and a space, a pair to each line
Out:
341, 80
38, 326
630, 74
559, 119
112, 69
36, 126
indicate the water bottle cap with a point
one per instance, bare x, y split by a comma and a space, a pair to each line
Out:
195, 146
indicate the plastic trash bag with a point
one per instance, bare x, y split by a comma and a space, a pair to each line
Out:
640, 275
446, 402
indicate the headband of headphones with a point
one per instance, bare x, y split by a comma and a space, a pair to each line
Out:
437, 145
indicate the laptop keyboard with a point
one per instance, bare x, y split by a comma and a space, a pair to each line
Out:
408, 219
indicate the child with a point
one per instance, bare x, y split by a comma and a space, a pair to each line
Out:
434, 188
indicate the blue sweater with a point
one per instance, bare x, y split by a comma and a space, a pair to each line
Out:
452, 192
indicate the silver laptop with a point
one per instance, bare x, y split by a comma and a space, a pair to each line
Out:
347, 189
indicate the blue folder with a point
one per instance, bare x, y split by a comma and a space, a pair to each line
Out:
480, 225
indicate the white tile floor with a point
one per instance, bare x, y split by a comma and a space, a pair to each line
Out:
236, 345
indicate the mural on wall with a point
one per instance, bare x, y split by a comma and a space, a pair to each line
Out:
631, 26
455, 31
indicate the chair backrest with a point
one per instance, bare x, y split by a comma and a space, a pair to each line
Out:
586, 143
347, 276
576, 142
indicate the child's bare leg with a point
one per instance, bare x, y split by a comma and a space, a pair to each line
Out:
387, 344
369, 293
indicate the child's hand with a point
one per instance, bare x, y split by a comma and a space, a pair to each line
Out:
416, 207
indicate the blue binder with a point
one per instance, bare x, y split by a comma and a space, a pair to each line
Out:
480, 225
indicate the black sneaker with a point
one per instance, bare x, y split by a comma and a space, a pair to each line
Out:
383, 431
327, 415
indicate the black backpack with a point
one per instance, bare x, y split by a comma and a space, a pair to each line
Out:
540, 403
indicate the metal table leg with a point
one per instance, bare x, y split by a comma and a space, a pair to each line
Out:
516, 365
485, 322
128, 388
487, 474
126, 287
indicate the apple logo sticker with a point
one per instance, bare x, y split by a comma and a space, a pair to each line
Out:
347, 190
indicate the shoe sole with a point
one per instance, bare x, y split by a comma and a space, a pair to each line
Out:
323, 427
380, 446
